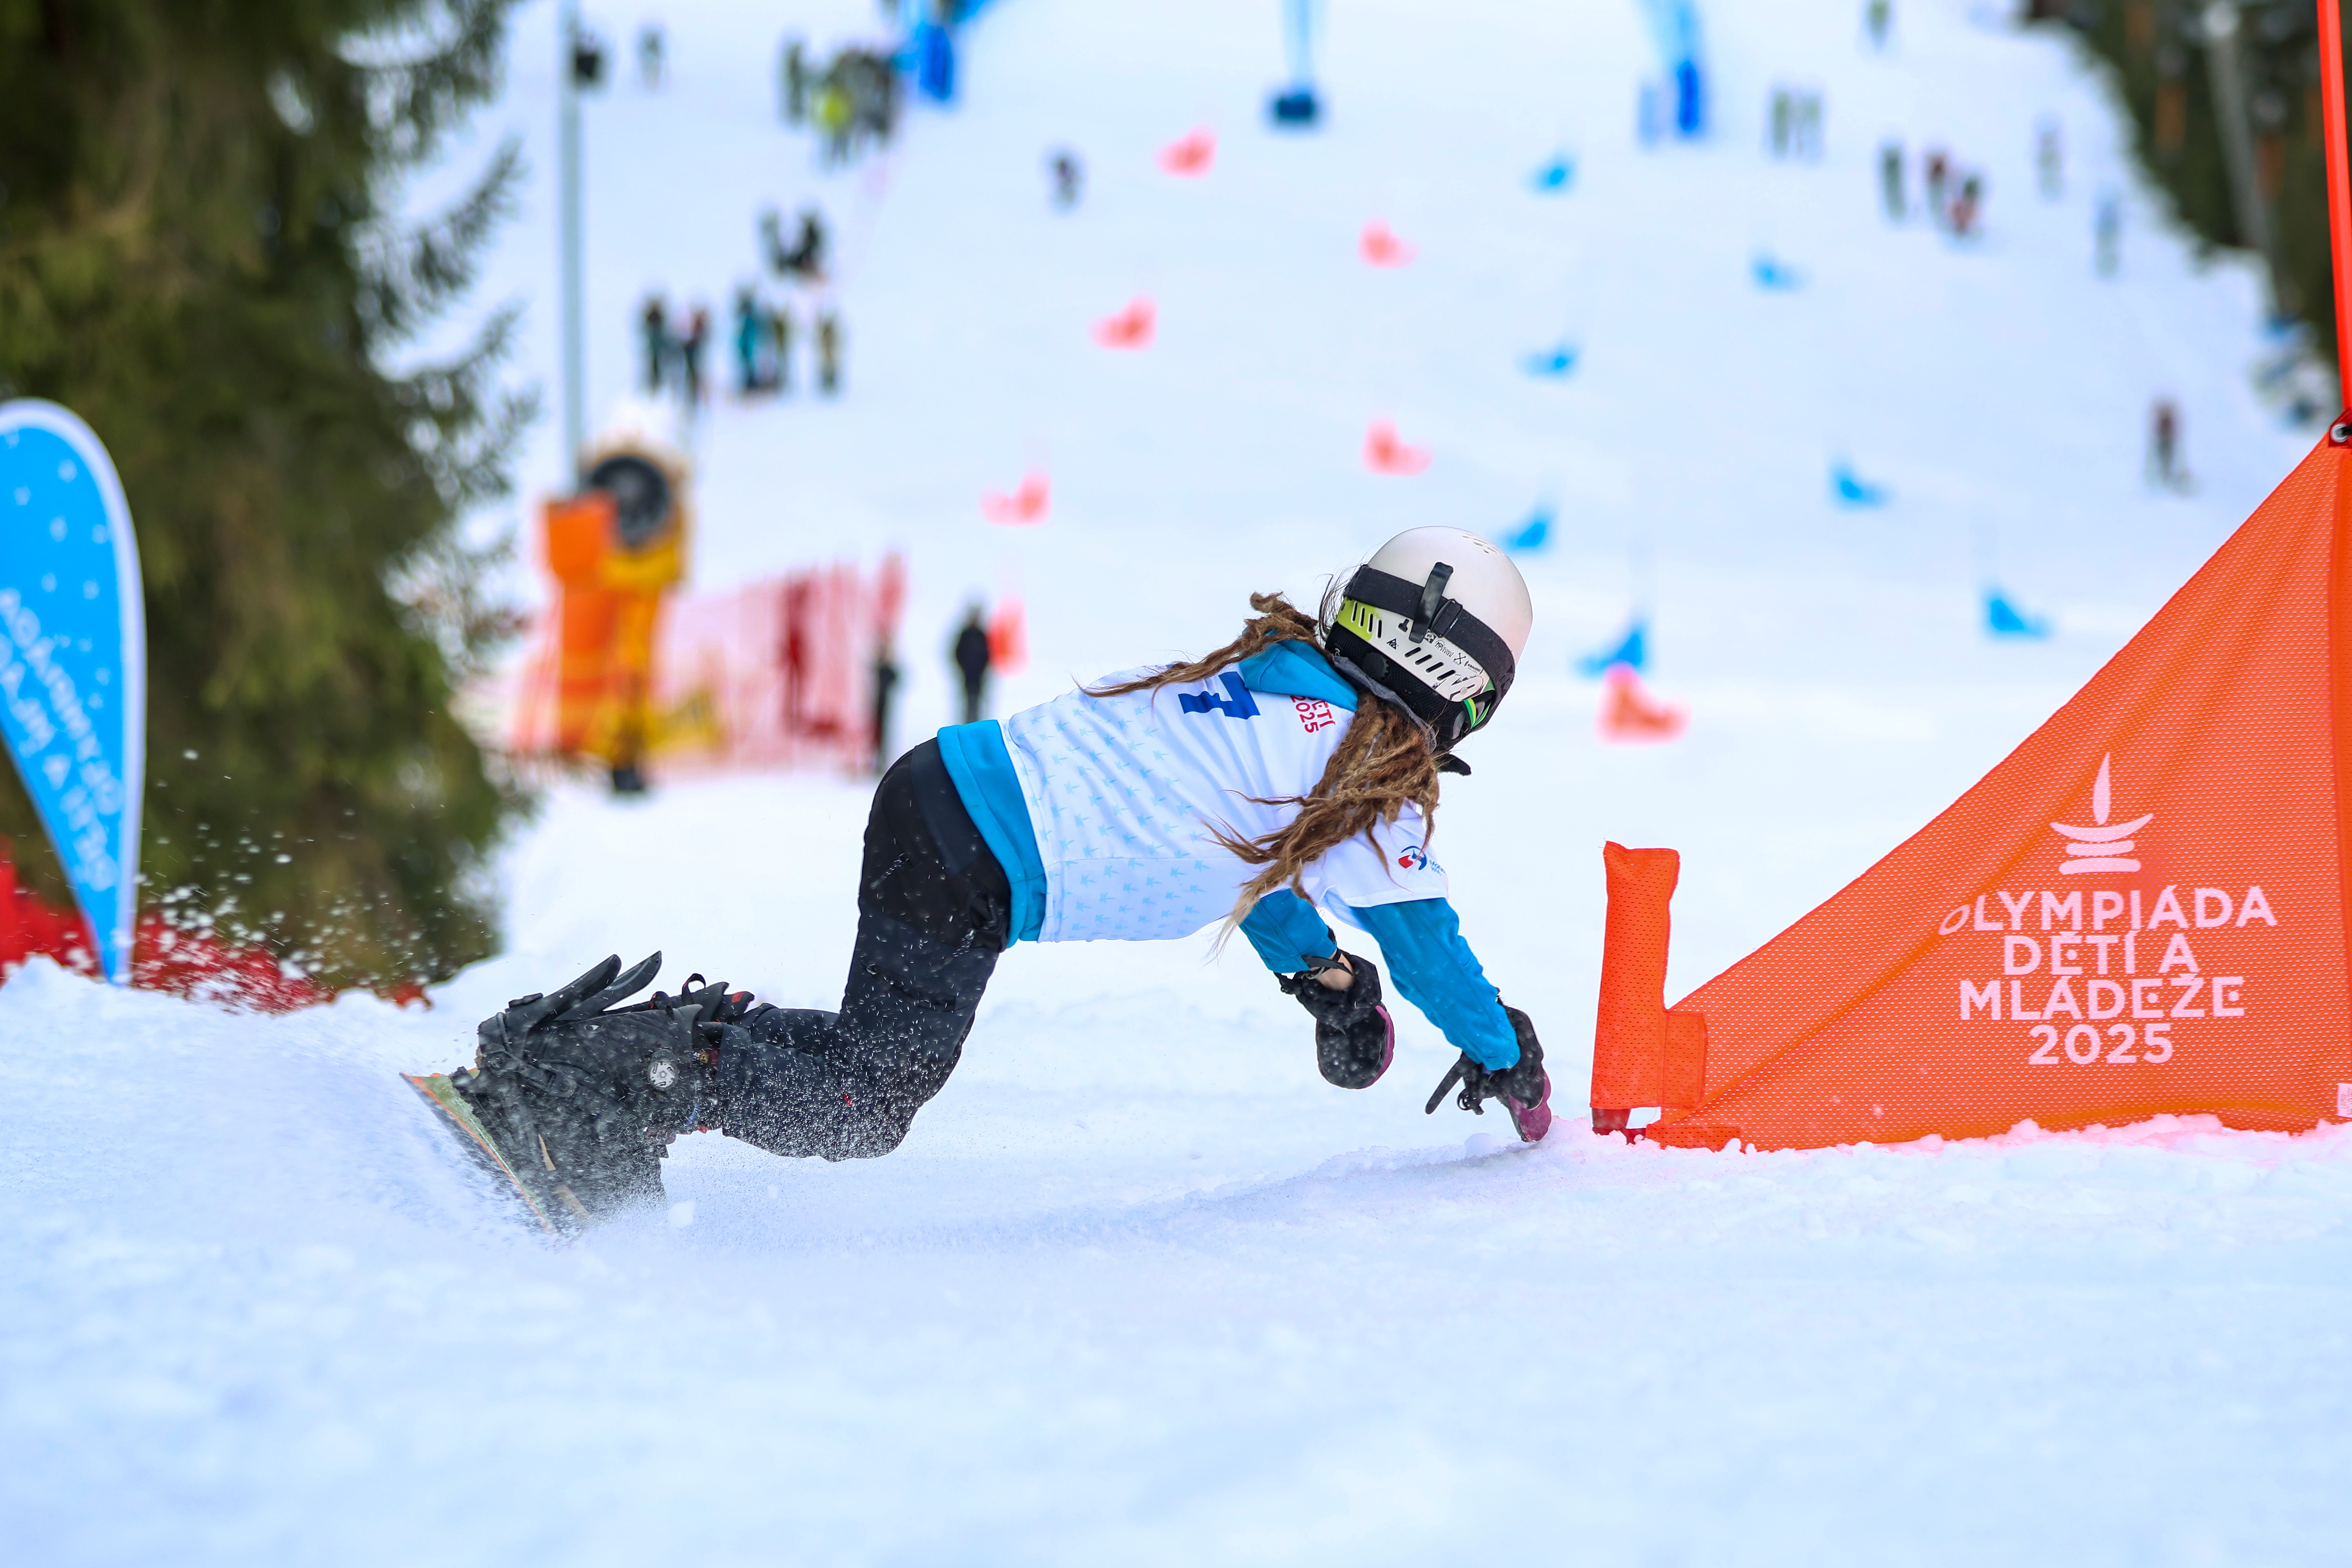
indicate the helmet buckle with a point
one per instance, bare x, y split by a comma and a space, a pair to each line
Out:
1432, 596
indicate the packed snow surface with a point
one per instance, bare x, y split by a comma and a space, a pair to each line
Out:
1139, 1288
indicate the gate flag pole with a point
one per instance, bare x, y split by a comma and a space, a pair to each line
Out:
2339, 184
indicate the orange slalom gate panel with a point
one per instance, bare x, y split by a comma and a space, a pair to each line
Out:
1642, 1054
2142, 909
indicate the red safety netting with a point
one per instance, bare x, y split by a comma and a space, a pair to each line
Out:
780, 673
164, 957
2141, 910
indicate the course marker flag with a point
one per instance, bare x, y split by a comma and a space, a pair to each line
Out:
1190, 155
1383, 249
1026, 505
1385, 451
1629, 712
73, 659
2144, 910
1129, 328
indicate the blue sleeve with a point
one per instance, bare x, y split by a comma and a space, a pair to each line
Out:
1438, 973
1288, 932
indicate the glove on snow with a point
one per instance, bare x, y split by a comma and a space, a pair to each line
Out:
1524, 1088
1354, 1040
595, 1093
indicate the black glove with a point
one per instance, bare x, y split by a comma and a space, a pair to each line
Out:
1522, 1083
1354, 1040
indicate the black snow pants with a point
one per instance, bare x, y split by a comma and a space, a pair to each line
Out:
933, 912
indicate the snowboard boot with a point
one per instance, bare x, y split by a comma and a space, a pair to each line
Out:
1354, 1040
1524, 1088
578, 1099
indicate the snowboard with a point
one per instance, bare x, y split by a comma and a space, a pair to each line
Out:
546, 1203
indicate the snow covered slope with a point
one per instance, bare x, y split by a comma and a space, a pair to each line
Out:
1139, 1288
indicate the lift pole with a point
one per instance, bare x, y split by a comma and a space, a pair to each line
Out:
567, 127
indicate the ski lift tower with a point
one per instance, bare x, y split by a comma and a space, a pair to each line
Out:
580, 66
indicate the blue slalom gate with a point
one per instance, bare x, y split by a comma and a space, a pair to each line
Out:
1632, 651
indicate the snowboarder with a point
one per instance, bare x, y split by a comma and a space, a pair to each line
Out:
828, 352
973, 657
1292, 773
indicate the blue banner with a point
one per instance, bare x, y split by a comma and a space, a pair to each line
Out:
73, 659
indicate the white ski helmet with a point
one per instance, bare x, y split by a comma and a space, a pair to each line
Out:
1433, 623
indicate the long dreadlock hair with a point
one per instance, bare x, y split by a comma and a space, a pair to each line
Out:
1383, 762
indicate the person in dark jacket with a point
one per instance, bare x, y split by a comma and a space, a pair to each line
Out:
971, 659
885, 683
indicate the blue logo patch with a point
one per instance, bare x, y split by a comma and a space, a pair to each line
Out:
1237, 703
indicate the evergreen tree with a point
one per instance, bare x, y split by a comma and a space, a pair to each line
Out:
197, 256
2159, 49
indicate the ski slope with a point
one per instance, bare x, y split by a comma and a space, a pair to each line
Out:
1139, 1288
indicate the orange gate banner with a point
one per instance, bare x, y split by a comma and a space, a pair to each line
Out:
2142, 909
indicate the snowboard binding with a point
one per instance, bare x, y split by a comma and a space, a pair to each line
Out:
1354, 1038
574, 1099
1524, 1088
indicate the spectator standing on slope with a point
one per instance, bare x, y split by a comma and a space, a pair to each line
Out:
970, 653
690, 347
2164, 464
1890, 182
652, 329
750, 335
793, 77
1069, 177
2107, 235
1968, 206
651, 48
780, 361
1288, 776
828, 352
886, 685
1878, 16
2050, 160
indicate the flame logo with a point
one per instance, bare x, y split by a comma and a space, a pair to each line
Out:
2106, 846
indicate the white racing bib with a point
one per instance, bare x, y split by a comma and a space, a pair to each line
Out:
1123, 791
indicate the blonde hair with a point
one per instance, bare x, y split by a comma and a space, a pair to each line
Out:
1383, 762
